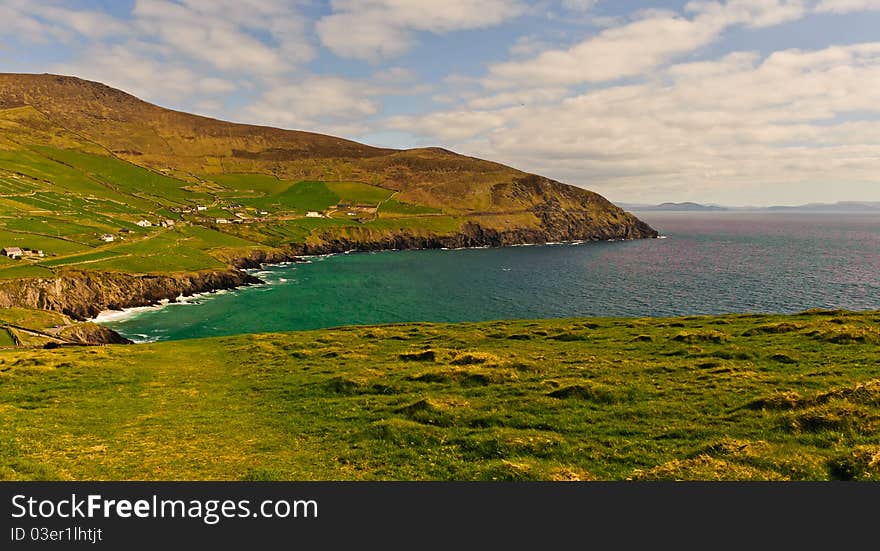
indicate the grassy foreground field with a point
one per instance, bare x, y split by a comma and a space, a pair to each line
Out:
738, 397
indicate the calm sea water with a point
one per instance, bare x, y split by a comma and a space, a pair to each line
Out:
708, 263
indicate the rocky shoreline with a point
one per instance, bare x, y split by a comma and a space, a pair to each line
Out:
472, 235
82, 295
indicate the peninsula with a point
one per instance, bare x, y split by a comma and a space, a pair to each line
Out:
108, 202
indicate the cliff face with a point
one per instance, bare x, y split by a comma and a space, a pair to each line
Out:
475, 235
91, 334
83, 295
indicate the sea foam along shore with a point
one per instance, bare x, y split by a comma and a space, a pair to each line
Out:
265, 274
110, 316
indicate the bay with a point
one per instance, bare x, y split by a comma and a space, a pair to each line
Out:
707, 263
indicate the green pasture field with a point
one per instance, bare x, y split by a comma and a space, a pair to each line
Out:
359, 193
745, 397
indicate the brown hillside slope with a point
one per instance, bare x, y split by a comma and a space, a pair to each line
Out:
493, 196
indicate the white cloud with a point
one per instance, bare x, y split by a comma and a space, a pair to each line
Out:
614, 53
653, 39
374, 29
331, 104
847, 6
222, 32
40, 22
753, 13
186, 53
123, 67
519, 98
735, 122
452, 125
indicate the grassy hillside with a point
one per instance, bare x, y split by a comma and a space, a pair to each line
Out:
723, 398
80, 161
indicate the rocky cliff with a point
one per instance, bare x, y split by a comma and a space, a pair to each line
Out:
83, 295
91, 334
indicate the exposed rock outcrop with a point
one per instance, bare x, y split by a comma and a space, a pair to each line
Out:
83, 295
91, 334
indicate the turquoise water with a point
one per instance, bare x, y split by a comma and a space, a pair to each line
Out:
708, 263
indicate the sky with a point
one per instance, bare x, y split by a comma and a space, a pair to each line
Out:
737, 102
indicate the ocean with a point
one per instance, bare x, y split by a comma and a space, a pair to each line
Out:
706, 263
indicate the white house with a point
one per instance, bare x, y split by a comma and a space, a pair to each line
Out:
144, 223
167, 223
314, 214
222, 221
108, 238
201, 207
13, 252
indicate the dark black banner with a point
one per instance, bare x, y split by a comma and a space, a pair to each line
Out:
170, 515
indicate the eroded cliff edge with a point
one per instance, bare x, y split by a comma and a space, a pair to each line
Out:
83, 295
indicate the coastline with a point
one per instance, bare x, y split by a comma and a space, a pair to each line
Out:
111, 315
84, 295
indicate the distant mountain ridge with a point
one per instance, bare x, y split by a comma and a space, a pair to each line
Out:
678, 207
842, 206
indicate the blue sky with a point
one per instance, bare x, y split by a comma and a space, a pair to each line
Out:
734, 102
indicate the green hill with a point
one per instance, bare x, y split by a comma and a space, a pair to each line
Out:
81, 164
723, 398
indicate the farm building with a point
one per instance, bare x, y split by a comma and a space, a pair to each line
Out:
16, 253
314, 214
221, 221
167, 223
109, 238
144, 223
13, 252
